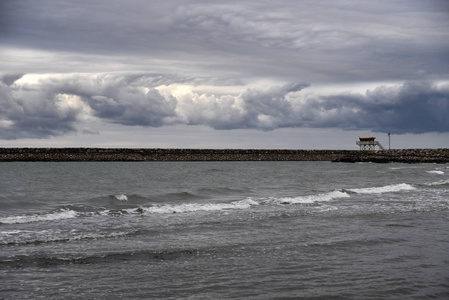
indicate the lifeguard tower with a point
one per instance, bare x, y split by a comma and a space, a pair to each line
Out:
369, 144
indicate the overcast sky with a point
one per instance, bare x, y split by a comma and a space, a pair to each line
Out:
224, 74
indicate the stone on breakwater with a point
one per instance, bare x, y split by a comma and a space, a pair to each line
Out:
398, 155
114, 154
157, 154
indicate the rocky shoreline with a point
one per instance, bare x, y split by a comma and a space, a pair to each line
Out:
136, 154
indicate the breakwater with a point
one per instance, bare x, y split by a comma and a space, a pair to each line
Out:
131, 154
398, 155
148, 154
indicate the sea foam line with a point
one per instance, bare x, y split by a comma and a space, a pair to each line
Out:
192, 207
59, 215
310, 198
384, 189
436, 172
440, 182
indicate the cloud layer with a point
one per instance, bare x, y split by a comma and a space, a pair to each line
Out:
290, 40
56, 105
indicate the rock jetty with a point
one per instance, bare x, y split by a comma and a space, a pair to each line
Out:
398, 155
131, 154
136, 154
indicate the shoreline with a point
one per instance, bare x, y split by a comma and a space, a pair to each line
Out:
159, 154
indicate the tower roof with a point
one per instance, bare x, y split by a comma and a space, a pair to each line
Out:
370, 138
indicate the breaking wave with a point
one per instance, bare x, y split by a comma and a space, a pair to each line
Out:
59, 214
310, 198
192, 207
436, 172
438, 183
186, 207
383, 189
121, 197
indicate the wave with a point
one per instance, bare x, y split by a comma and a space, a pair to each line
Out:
222, 191
180, 196
119, 200
121, 197
344, 193
142, 206
17, 238
142, 255
352, 243
436, 172
383, 189
200, 194
74, 212
59, 214
438, 183
310, 198
192, 207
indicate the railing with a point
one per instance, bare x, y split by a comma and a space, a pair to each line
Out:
369, 145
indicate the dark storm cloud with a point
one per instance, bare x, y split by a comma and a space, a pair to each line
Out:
400, 109
56, 105
409, 108
9, 79
34, 114
134, 108
123, 99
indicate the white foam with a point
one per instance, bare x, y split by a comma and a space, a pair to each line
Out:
436, 172
192, 207
14, 232
440, 182
99, 235
59, 215
121, 197
325, 208
384, 189
311, 198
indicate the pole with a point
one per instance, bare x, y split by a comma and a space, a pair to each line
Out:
389, 144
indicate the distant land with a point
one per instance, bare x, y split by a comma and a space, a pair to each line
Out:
157, 154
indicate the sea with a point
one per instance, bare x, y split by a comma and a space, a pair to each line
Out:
223, 230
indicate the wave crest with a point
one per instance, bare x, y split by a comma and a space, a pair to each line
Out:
311, 198
436, 172
192, 207
437, 183
121, 197
60, 214
384, 189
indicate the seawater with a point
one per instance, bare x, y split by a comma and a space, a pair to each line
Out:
224, 230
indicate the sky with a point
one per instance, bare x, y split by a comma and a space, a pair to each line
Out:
286, 74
